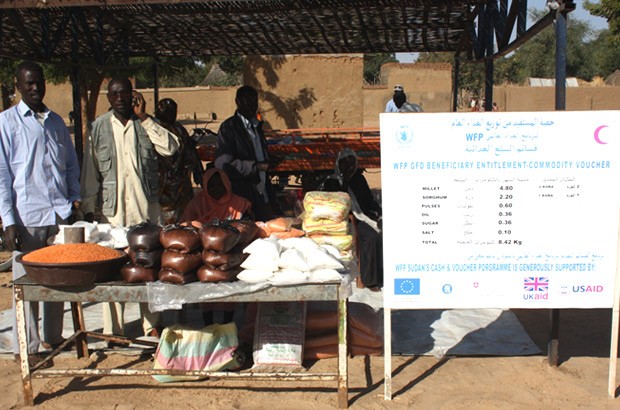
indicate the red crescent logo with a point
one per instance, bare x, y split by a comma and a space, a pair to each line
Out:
596, 136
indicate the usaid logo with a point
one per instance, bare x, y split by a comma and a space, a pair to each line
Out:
587, 288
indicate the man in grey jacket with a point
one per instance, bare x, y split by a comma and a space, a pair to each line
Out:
120, 167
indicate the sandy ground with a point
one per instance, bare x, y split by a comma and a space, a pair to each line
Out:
580, 381
423, 382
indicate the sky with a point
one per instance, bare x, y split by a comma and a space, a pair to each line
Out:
597, 23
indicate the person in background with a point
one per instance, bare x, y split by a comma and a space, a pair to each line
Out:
39, 189
175, 184
390, 106
495, 107
473, 105
367, 212
400, 101
121, 168
241, 152
216, 200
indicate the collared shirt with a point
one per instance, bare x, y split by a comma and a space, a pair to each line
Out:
39, 170
132, 207
260, 154
390, 106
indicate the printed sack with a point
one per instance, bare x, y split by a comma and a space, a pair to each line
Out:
213, 348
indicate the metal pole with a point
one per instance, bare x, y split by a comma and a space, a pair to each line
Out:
75, 86
156, 84
488, 62
455, 89
560, 105
560, 61
488, 84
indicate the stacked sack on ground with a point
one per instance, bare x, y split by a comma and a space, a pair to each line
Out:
326, 220
145, 253
364, 331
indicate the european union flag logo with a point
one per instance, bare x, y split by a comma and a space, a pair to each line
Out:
407, 286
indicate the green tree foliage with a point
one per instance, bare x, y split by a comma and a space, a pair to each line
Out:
172, 72
610, 10
536, 58
7, 81
471, 75
372, 66
605, 51
190, 72
233, 67
589, 54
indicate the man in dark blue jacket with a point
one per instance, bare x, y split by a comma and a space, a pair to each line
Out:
241, 151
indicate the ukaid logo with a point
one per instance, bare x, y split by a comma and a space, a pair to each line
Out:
407, 286
536, 288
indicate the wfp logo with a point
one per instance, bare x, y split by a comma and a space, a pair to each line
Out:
407, 286
404, 135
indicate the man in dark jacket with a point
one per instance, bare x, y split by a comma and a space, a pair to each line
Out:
241, 151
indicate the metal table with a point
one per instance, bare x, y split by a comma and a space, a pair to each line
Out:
26, 290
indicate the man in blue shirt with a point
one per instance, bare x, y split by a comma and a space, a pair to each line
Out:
39, 185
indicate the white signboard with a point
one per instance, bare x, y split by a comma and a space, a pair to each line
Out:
500, 210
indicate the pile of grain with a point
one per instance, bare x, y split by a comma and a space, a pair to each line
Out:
72, 253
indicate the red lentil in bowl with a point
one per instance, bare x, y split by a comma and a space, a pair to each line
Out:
73, 264
72, 253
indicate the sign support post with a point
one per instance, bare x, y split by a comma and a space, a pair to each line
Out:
615, 321
387, 354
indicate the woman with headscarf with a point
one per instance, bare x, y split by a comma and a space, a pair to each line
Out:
175, 182
367, 211
216, 200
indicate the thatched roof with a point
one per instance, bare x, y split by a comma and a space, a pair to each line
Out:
216, 76
109, 31
613, 78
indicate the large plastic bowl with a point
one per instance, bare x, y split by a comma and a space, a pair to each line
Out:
73, 274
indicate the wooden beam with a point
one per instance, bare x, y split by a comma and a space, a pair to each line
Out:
38, 4
345, 39
386, 32
509, 26
531, 32
18, 23
96, 48
323, 33
364, 30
